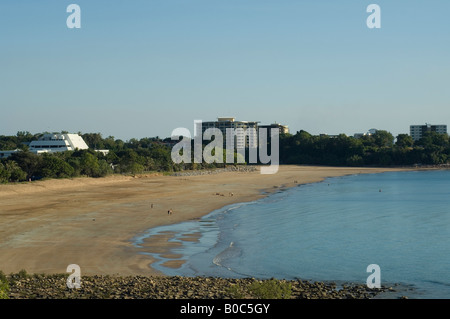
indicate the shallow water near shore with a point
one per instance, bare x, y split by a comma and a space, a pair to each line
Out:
328, 231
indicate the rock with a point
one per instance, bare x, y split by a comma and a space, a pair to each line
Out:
162, 287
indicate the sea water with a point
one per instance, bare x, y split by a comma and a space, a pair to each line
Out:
329, 231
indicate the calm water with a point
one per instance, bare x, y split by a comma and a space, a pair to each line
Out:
330, 231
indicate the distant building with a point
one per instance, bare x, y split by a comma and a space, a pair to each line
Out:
329, 135
245, 138
284, 129
417, 131
370, 132
50, 143
5, 154
242, 138
58, 143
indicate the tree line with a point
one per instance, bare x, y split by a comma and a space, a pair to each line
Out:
154, 154
379, 149
125, 157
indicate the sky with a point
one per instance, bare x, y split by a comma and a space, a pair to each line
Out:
142, 68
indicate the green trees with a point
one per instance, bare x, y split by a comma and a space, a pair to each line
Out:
134, 156
4, 174
383, 139
375, 150
89, 165
404, 140
29, 162
435, 148
14, 142
154, 154
304, 148
55, 167
11, 172
16, 173
93, 165
4, 286
93, 140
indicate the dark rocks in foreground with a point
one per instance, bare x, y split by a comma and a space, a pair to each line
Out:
41, 286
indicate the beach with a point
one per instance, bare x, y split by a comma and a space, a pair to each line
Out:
48, 225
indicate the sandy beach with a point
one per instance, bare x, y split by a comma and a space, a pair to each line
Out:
47, 225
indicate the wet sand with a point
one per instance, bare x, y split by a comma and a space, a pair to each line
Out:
47, 225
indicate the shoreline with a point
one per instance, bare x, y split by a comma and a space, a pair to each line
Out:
37, 286
92, 222
167, 258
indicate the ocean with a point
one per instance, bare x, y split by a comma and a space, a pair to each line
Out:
329, 231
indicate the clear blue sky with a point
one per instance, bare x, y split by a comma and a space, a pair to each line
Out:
143, 68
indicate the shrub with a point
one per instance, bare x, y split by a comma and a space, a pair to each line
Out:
4, 286
3, 276
16, 174
236, 292
23, 274
270, 289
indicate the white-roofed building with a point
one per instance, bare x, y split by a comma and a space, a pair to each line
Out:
58, 143
50, 143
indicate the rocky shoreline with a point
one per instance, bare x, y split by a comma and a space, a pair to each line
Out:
44, 286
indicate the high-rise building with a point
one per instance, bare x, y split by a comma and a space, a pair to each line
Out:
417, 131
244, 133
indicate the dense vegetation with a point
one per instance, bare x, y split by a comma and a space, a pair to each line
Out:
375, 150
130, 157
154, 154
